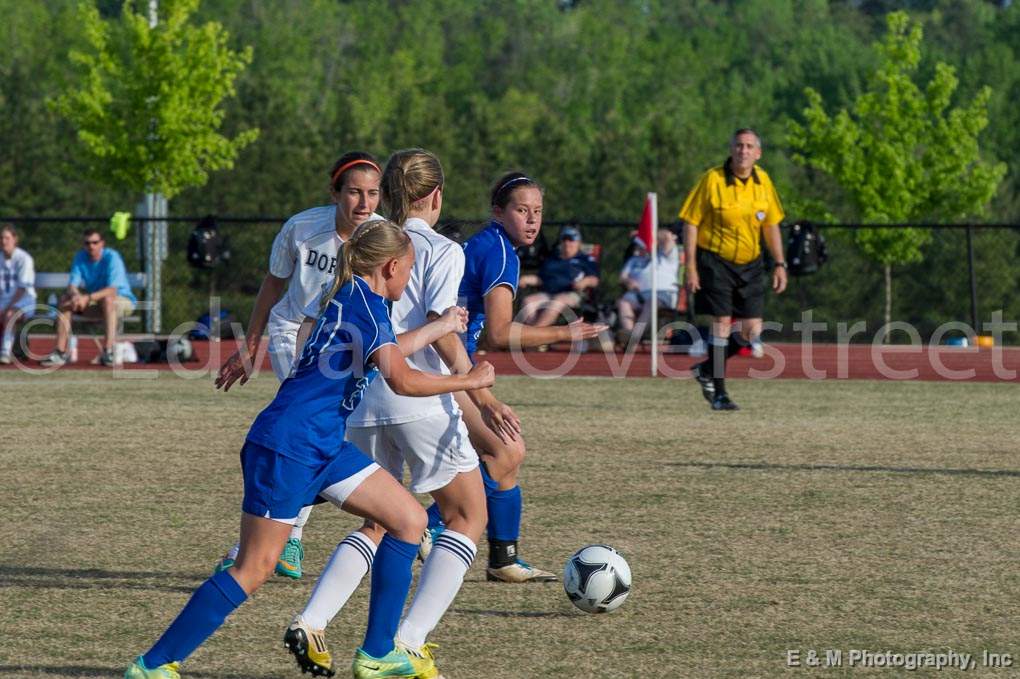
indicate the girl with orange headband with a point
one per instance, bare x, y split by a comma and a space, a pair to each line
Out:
303, 259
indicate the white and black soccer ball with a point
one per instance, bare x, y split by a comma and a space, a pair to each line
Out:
597, 579
180, 350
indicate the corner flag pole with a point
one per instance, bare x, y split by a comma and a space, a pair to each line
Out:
652, 249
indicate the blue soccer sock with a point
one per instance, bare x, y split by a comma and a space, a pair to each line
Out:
391, 580
209, 606
435, 516
505, 508
490, 483
504, 526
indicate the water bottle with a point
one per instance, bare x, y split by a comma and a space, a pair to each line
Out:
72, 349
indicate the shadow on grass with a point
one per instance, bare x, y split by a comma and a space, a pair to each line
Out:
764, 466
81, 671
92, 573
514, 614
96, 578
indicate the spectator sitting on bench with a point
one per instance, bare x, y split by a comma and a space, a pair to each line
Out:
636, 278
17, 289
99, 289
563, 278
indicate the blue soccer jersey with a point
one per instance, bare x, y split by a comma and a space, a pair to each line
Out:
307, 419
490, 261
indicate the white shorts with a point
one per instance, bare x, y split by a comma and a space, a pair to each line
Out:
281, 352
435, 448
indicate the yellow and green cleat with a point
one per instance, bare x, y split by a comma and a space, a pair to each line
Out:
424, 652
138, 670
400, 662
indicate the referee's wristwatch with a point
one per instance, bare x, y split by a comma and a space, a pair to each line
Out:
783, 264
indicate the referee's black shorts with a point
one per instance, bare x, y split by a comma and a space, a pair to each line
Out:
729, 289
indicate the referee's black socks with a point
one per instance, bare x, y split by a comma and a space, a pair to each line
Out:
720, 349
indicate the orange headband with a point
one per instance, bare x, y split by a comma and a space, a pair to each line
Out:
345, 166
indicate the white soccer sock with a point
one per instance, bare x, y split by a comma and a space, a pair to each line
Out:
232, 552
298, 529
441, 578
347, 566
8, 339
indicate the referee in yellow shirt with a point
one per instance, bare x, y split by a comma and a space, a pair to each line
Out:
725, 217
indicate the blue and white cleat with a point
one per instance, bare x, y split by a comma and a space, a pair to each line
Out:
428, 538
518, 572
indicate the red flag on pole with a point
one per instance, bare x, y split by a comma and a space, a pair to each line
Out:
646, 229
647, 233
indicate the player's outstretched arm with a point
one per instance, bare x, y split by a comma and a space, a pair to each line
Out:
407, 381
453, 320
242, 363
502, 332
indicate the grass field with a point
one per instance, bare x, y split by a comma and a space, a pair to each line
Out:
825, 515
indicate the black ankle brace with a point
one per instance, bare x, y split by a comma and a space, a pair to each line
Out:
502, 553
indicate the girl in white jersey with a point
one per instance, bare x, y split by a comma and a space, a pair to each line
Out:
303, 259
427, 434
17, 289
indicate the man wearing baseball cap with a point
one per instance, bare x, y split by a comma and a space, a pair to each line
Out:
563, 278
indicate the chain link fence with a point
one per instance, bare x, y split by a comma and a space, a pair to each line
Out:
848, 289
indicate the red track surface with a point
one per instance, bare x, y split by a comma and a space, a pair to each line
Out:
788, 361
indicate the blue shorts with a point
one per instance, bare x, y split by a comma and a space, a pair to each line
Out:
277, 487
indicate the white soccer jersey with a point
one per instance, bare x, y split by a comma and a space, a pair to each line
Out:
435, 279
305, 252
17, 272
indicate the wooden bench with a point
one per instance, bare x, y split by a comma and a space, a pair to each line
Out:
59, 281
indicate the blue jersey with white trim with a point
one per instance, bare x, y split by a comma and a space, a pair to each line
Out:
307, 419
490, 261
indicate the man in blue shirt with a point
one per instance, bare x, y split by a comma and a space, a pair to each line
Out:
564, 278
98, 288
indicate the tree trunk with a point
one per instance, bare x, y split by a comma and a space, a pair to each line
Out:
888, 302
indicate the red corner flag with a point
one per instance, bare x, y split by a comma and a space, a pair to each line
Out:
646, 229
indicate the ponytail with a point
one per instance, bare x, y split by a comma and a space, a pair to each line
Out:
372, 243
410, 176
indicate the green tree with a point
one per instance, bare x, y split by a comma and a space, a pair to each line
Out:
148, 107
901, 153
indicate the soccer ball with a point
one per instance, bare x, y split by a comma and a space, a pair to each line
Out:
180, 350
597, 579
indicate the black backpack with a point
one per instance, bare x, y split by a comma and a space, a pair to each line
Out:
206, 248
805, 249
